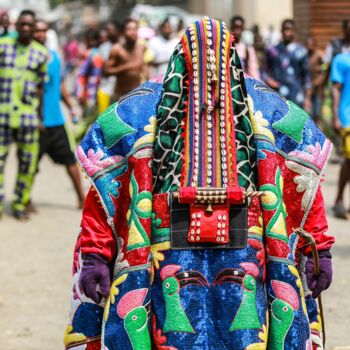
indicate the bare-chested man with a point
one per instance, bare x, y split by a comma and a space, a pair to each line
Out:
126, 60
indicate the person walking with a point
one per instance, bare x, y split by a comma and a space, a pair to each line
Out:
338, 45
287, 68
23, 70
335, 46
54, 139
340, 78
126, 60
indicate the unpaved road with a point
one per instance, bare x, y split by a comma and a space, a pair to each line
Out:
35, 265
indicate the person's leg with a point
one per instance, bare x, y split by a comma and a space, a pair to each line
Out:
5, 140
344, 177
28, 149
74, 173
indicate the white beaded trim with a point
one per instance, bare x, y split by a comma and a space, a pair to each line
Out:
196, 106
223, 89
211, 76
211, 71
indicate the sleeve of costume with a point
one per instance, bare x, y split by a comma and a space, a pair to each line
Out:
337, 74
96, 234
317, 225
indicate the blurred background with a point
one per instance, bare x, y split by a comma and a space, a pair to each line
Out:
91, 42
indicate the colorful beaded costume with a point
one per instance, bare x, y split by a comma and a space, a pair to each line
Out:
196, 263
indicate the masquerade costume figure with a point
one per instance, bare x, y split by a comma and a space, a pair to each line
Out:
197, 184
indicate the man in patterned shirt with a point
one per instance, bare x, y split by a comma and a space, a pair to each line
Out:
22, 73
287, 68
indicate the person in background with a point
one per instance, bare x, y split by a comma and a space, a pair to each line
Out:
126, 60
246, 53
89, 80
162, 47
107, 84
287, 68
4, 25
338, 45
340, 78
334, 47
54, 139
22, 74
318, 78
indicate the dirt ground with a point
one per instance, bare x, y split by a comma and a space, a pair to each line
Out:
35, 265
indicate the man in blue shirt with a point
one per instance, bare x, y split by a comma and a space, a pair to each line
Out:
287, 68
340, 77
54, 139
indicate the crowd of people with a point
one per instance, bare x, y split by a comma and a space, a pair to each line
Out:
114, 60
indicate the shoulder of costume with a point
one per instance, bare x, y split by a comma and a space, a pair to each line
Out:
290, 126
125, 128
284, 130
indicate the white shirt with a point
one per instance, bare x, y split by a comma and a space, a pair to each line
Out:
162, 50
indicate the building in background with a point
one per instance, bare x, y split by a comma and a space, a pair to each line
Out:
321, 18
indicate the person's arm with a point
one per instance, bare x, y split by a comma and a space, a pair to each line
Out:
97, 247
42, 74
65, 96
40, 107
337, 78
68, 101
269, 63
96, 234
336, 93
113, 68
317, 225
